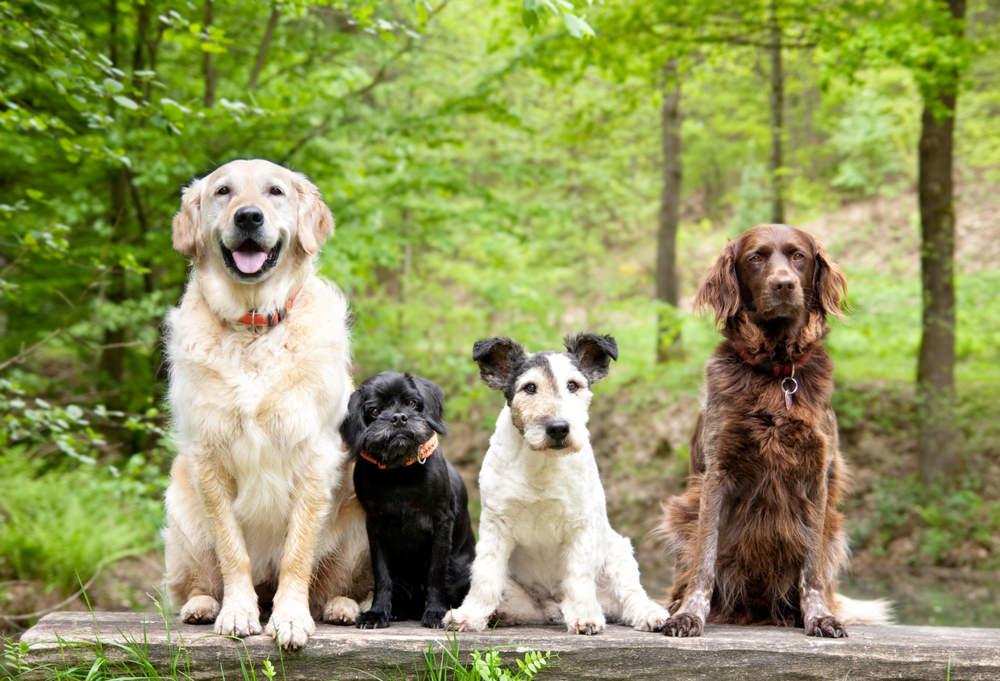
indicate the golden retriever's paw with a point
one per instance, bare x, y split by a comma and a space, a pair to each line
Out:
463, 620
200, 610
341, 610
652, 618
291, 624
238, 617
683, 625
826, 626
552, 611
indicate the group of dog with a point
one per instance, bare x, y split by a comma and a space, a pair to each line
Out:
263, 508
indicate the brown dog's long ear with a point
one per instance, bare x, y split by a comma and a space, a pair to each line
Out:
315, 218
721, 288
497, 358
593, 354
829, 283
185, 228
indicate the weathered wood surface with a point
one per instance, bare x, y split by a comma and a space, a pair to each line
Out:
723, 653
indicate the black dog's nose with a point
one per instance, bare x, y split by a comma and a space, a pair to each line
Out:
249, 217
399, 419
557, 430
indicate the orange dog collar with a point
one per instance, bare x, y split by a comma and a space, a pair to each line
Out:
255, 319
423, 453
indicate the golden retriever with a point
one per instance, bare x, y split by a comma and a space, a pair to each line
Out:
260, 499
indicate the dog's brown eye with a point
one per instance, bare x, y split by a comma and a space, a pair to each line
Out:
222, 191
755, 259
276, 191
530, 388
798, 255
374, 412
412, 404
572, 386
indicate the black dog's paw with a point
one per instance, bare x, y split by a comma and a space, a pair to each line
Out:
432, 617
683, 624
373, 619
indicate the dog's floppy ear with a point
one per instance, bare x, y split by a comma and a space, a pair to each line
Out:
433, 398
829, 283
185, 231
314, 218
353, 426
497, 358
593, 353
721, 288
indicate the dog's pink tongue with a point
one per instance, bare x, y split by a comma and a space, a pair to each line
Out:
249, 262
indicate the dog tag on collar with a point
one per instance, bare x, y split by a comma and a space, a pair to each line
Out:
789, 386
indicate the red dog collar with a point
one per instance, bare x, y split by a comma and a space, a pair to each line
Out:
423, 453
255, 319
773, 368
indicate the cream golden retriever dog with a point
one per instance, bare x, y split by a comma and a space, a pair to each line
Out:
260, 497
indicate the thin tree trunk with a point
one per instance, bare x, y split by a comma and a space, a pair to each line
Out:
777, 120
208, 66
938, 437
668, 344
265, 43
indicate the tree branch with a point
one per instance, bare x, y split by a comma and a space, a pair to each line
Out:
265, 43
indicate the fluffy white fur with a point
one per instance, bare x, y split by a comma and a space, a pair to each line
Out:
260, 491
546, 550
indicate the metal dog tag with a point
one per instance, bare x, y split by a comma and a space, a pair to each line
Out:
789, 386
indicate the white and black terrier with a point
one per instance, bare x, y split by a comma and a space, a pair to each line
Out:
546, 551
419, 530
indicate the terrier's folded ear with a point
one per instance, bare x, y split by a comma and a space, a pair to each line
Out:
497, 358
593, 353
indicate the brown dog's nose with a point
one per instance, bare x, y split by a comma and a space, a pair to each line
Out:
248, 218
781, 283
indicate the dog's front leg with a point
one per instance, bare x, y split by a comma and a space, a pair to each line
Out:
817, 617
437, 576
580, 608
377, 617
239, 614
689, 620
291, 623
489, 574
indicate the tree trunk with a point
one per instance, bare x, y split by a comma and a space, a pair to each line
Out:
777, 120
265, 43
938, 437
208, 66
668, 344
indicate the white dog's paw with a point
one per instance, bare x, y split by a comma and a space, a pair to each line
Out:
463, 620
239, 616
585, 625
200, 610
341, 610
291, 624
652, 618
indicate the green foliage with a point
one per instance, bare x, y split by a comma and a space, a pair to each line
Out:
485, 665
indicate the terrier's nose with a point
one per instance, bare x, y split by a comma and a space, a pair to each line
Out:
557, 430
248, 218
399, 419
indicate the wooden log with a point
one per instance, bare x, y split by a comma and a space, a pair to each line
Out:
346, 653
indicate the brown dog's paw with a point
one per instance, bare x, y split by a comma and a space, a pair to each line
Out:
200, 610
341, 610
825, 627
682, 625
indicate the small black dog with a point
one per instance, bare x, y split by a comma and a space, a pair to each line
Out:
419, 529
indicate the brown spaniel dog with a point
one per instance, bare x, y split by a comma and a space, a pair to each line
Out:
757, 536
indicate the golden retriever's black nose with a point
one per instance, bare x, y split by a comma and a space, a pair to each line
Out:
557, 430
249, 217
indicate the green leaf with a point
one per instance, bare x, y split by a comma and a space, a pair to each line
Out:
577, 27
126, 103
